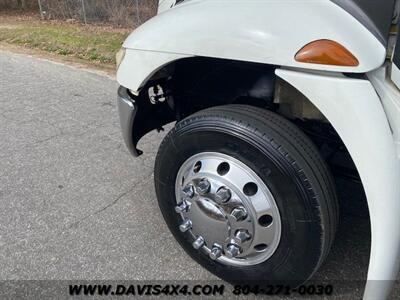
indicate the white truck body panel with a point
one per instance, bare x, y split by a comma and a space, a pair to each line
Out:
390, 98
356, 112
268, 31
164, 5
138, 66
395, 75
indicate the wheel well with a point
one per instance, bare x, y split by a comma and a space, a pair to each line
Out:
190, 85
194, 84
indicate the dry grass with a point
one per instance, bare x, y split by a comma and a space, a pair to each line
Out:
88, 42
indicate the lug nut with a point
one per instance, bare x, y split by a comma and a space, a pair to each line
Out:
188, 191
223, 195
185, 226
216, 252
204, 186
239, 213
181, 208
242, 235
232, 250
198, 243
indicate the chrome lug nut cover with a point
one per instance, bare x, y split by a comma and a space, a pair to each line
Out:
223, 195
216, 252
232, 250
183, 207
203, 186
185, 226
242, 235
188, 191
198, 243
239, 214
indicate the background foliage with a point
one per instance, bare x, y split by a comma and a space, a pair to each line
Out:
125, 13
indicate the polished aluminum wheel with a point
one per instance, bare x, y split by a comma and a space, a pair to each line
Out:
228, 211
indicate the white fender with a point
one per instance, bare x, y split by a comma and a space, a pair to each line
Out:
263, 31
138, 66
355, 111
164, 5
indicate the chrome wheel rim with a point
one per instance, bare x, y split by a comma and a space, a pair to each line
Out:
227, 211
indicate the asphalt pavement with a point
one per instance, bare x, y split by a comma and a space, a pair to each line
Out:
75, 205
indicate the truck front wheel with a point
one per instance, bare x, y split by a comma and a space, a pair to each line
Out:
247, 195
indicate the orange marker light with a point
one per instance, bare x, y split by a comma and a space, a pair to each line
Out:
326, 52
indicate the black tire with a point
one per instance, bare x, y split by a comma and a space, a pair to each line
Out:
289, 164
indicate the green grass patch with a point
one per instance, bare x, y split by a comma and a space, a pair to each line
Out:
86, 42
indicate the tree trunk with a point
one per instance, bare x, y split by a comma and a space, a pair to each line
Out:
21, 4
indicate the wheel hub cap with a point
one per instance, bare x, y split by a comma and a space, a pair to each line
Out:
206, 215
228, 211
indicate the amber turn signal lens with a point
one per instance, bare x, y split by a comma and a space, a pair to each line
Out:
326, 52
